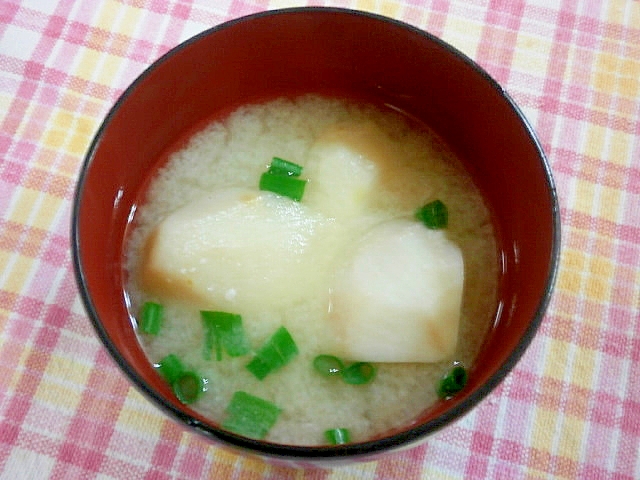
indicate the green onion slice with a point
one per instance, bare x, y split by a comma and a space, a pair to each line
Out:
186, 384
280, 166
223, 330
151, 318
452, 382
188, 387
274, 354
359, 373
284, 185
434, 215
250, 416
170, 368
328, 365
338, 436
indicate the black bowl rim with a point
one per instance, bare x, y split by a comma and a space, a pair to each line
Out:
292, 452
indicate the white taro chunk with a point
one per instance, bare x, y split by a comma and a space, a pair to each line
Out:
237, 249
344, 166
398, 296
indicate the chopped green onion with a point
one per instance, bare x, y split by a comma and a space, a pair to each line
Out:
283, 185
281, 178
211, 340
170, 368
452, 382
284, 167
359, 373
434, 215
151, 318
250, 416
338, 436
328, 365
274, 354
188, 387
223, 330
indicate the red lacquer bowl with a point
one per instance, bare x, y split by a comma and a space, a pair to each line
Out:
330, 51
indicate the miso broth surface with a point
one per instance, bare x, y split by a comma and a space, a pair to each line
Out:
234, 153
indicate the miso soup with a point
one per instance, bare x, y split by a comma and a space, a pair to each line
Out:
348, 269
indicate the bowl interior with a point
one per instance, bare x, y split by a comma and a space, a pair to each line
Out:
332, 52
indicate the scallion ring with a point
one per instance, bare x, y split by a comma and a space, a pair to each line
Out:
452, 382
188, 387
359, 373
328, 365
434, 215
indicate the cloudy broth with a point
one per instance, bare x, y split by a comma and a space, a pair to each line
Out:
234, 152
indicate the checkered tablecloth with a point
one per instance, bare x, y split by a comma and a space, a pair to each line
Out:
571, 407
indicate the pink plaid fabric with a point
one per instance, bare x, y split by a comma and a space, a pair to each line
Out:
571, 407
